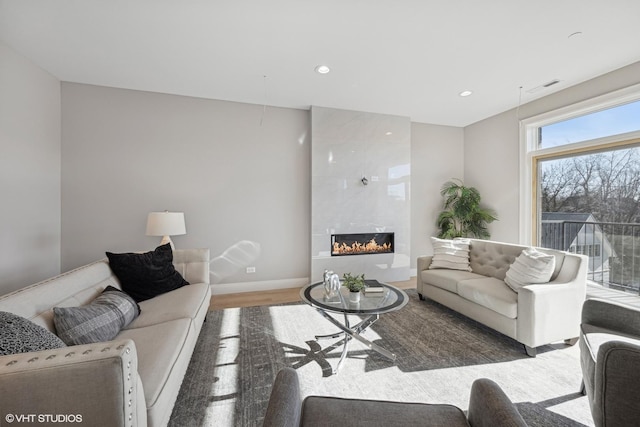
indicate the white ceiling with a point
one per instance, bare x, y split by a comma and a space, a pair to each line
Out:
403, 57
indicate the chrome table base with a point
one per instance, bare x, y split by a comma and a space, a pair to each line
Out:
353, 332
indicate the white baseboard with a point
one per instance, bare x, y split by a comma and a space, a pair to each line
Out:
265, 285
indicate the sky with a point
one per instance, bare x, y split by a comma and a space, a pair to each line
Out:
621, 119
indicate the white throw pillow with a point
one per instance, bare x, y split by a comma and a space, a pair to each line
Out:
530, 267
450, 254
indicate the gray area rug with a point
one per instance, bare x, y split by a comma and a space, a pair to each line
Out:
439, 354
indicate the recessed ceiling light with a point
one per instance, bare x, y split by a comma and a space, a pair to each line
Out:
322, 69
465, 93
389, 133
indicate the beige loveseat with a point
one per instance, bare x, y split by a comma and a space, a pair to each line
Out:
130, 381
536, 315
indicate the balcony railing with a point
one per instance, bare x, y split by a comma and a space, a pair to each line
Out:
613, 249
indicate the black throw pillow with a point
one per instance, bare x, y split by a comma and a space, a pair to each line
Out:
146, 275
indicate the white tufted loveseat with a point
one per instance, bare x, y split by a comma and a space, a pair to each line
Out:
536, 315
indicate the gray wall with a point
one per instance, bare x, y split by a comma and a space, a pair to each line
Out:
29, 172
436, 157
244, 187
491, 164
491, 147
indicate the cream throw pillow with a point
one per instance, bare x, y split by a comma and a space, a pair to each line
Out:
530, 267
450, 254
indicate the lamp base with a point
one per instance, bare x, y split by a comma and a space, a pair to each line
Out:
165, 240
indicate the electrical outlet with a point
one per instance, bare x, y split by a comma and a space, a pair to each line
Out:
251, 270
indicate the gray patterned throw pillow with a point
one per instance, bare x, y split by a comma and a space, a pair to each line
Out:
99, 321
19, 335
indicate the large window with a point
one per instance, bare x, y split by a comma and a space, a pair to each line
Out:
581, 185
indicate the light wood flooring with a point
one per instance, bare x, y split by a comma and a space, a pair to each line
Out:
277, 296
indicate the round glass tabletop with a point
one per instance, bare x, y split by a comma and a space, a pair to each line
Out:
390, 299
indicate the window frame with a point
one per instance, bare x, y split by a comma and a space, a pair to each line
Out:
531, 155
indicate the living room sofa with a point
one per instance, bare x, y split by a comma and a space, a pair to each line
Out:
132, 380
535, 315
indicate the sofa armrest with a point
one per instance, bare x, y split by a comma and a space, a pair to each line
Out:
95, 384
549, 312
611, 315
423, 263
490, 407
284, 403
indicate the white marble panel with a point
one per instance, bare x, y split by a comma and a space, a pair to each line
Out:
347, 146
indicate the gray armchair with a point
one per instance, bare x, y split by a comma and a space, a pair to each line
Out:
488, 407
610, 361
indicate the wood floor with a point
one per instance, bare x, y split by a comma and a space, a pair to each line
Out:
277, 296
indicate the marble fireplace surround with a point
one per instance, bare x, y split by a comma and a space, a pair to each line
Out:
347, 146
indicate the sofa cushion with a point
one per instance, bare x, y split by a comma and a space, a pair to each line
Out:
447, 279
530, 267
20, 335
146, 275
450, 254
490, 293
185, 302
101, 320
159, 347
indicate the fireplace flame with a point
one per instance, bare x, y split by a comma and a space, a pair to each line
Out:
371, 247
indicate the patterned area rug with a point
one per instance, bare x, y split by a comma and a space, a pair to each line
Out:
439, 354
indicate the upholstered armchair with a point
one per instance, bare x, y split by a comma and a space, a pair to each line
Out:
610, 361
488, 407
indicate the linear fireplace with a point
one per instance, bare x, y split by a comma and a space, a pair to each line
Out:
361, 244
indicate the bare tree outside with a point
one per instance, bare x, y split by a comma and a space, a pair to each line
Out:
607, 186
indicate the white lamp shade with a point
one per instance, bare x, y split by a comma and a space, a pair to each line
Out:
166, 224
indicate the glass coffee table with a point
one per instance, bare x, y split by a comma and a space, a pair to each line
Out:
371, 306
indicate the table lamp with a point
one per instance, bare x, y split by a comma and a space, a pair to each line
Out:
166, 224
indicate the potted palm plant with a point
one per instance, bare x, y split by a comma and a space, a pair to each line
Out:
462, 215
355, 284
